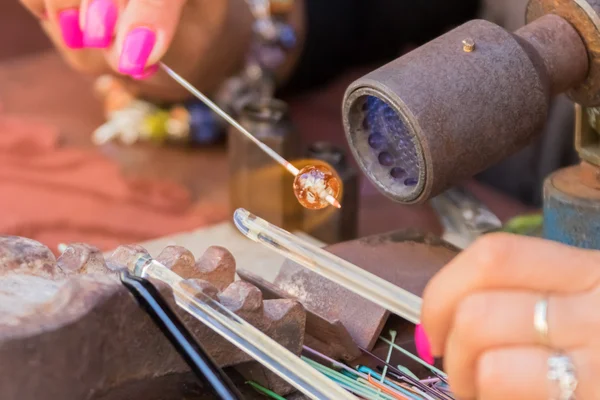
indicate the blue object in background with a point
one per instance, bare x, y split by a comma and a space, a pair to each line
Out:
205, 128
287, 36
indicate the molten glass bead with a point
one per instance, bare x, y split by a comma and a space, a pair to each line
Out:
312, 185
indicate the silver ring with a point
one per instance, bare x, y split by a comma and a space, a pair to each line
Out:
540, 321
561, 372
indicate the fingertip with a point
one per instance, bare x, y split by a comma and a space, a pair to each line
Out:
423, 345
100, 20
136, 50
68, 21
430, 317
147, 74
145, 31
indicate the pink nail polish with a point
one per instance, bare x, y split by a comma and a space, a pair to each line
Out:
69, 26
148, 73
100, 21
423, 346
136, 50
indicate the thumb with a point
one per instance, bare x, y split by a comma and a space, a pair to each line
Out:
146, 29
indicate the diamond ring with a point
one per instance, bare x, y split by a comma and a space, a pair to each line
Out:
561, 372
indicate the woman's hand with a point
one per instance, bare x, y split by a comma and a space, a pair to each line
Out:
203, 40
478, 313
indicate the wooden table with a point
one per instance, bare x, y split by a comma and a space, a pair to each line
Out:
43, 87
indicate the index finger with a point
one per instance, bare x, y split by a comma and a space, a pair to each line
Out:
504, 262
144, 33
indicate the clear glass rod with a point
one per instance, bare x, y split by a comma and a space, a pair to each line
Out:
389, 296
243, 335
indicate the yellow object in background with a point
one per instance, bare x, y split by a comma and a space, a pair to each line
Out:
155, 126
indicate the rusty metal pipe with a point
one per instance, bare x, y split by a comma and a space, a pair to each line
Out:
558, 45
572, 207
584, 17
459, 104
445, 112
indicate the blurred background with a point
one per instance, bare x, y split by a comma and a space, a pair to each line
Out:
44, 102
21, 31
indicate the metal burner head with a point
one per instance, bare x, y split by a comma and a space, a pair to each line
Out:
462, 102
384, 143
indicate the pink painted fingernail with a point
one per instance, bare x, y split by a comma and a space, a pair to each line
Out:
69, 26
422, 344
136, 50
149, 72
100, 21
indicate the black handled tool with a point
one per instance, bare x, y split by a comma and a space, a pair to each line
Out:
211, 376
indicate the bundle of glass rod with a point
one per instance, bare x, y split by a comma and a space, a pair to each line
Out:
362, 382
393, 383
309, 374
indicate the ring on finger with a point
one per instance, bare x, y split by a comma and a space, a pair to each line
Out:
561, 372
540, 321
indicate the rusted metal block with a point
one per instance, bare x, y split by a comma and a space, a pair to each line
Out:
407, 259
584, 17
70, 330
326, 336
216, 265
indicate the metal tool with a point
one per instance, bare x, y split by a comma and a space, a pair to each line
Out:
286, 164
268, 352
192, 352
463, 216
470, 98
572, 195
326, 264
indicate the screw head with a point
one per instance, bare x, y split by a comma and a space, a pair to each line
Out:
468, 45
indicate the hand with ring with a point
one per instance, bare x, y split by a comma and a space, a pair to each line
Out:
516, 318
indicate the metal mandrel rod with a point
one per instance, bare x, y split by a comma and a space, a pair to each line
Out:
273, 154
